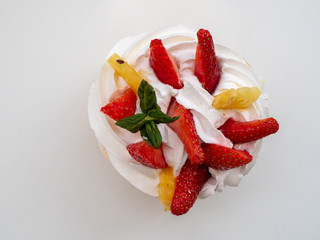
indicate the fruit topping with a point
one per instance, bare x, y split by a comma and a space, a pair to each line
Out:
147, 155
242, 132
207, 67
185, 129
166, 187
164, 65
125, 71
179, 194
188, 185
121, 107
236, 98
224, 158
146, 122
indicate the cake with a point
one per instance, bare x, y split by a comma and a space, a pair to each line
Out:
179, 116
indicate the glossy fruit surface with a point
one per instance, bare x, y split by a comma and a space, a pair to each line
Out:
236, 98
166, 187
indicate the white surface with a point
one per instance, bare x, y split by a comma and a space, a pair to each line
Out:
56, 184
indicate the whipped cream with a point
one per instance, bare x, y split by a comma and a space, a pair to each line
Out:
181, 43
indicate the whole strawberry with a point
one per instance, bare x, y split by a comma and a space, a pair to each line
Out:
242, 132
121, 107
188, 185
224, 158
163, 64
185, 129
147, 155
207, 67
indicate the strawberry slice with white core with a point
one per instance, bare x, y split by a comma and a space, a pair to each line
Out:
188, 185
164, 65
207, 67
185, 129
242, 132
121, 107
147, 155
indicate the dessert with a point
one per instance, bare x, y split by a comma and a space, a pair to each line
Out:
178, 115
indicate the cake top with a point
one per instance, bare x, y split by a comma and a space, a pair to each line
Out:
187, 110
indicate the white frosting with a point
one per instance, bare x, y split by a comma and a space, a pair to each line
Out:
181, 43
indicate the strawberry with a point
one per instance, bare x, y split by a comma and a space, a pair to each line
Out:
224, 158
242, 132
147, 155
188, 185
185, 128
207, 67
121, 107
163, 64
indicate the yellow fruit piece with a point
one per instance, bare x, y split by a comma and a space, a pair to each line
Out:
166, 187
125, 71
236, 98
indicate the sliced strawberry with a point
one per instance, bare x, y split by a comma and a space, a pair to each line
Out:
242, 132
207, 67
224, 158
121, 107
185, 128
188, 185
147, 155
163, 64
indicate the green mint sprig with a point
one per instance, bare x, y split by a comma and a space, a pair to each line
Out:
146, 122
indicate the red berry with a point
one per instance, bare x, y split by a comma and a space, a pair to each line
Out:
163, 64
185, 129
121, 107
207, 67
147, 155
188, 185
224, 158
242, 132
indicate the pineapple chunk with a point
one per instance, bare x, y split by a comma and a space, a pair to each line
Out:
125, 71
236, 98
166, 187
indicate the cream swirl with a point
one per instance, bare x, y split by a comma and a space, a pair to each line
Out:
181, 43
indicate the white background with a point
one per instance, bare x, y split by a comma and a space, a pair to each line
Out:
56, 184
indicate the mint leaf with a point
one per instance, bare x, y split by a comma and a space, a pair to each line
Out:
146, 121
147, 96
160, 117
153, 133
144, 135
133, 123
